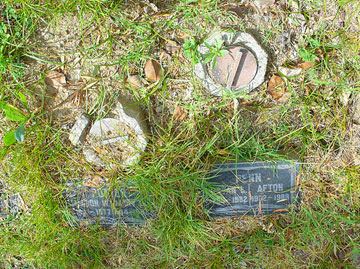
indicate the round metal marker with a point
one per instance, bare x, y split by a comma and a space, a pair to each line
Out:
241, 70
235, 69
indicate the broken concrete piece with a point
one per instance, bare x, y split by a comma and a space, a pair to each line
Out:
290, 72
78, 131
105, 127
117, 140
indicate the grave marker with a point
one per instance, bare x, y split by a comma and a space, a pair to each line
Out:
254, 188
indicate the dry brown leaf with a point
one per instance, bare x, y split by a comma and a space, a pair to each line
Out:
134, 82
55, 79
172, 47
306, 65
152, 70
276, 87
94, 181
284, 97
180, 114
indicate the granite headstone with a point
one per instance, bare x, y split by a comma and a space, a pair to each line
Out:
254, 188
92, 205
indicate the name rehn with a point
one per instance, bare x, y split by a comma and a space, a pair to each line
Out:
250, 178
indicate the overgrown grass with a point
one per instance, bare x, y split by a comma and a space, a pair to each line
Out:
313, 126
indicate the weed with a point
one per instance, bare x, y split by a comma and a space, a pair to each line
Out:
215, 52
190, 50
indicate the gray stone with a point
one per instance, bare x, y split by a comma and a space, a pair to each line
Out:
231, 39
78, 131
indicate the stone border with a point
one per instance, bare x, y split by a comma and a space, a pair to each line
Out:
232, 39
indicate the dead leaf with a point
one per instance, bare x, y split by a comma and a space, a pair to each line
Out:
276, 87
306, 65
280, 210
134, 82
55, 79
164, 56
284, 97
152, 70
222, 152
180, 114
172, 47
94, 181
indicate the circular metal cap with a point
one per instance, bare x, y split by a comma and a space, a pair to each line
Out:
235, 69
240, 71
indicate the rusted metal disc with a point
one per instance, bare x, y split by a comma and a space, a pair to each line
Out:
235, 69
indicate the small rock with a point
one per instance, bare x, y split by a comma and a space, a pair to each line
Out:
345, 98
264, 3
74, 76
78, 131
107, 127
92, 157
290, 72
110, 142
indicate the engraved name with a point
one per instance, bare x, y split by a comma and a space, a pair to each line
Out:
250, 178
271, 188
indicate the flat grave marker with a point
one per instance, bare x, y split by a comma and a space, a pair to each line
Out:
254, 188
92, 205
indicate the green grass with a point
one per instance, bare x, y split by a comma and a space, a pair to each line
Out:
313, 126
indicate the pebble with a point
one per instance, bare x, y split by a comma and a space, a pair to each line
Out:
264, 3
